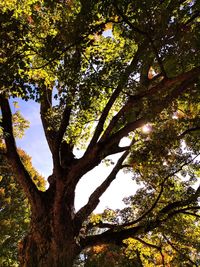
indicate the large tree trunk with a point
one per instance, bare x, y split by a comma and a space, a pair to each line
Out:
51, 241
42, 248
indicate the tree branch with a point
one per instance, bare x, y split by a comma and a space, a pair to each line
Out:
174, 86
130, 24
110, 237
118, 234
116, 93
64, 124
193, 17
147, 243
159, 248
193, 198
101, 225
45, 107
180, 82
93, 201
140, 218
177, 250
20, 171
192, 214
50, 133
197, 128
158, 58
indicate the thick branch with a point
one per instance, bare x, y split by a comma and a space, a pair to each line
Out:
65, 117
64, 124
20, 171
45, 106
50, 133
93, 201
111, 237
118, 234
181, 83
174, 86
164, 85
116, 93
172, 206
116, 137
126, 108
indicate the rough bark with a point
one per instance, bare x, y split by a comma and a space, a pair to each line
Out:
48, 244
41, 251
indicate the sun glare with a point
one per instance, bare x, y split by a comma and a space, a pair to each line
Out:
146, 128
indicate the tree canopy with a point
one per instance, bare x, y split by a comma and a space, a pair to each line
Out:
102, 71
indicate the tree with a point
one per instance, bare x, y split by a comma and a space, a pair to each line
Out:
104, 88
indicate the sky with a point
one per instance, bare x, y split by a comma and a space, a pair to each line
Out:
35, 144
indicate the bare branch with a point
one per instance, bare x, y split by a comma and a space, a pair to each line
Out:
93, 201
45, 107
64, 124
20, 171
